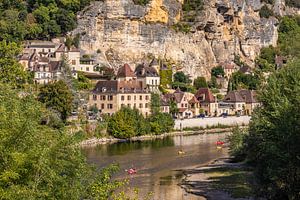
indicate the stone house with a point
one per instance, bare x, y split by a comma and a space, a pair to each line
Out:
250, 98
229, 69
187, 104
208, 102
47, 73
232, 104
149, 75
111, 96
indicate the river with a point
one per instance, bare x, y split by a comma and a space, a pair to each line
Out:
157, 161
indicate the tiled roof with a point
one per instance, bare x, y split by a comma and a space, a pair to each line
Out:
249, 96
119, 86
208, 96
144, 71
233, 96
125, 71
193, 100
154, 62
245, 69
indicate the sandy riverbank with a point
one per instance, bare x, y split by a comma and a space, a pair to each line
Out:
220, 180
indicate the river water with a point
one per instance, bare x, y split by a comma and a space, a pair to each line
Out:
158, 163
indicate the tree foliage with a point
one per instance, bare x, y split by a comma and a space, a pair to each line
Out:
200, 82
30, 19
155, 103
265, 12
161, 123
273, 144
57, 96
181, 78
11, 71
41, 162
217, 71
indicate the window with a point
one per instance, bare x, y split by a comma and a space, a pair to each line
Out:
128, 97
146, 105
134, 105
94, 97
134, 97
152, 82
147, 97
129, 105
49, 50
155, 82
73, 62
110, 98
109, 106
141, 97
182, 105
186, 105
141, 105
122, 98
87, 69
102, 106
102, 97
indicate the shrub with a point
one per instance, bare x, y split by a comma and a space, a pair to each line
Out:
161, 123
200, 82
265, 12
236, 143
127, 123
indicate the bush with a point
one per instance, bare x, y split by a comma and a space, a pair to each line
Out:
265, 12
161, 123
141, 2
200, 82
127, 123
236, 144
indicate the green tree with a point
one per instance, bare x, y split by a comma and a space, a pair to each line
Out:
173, 108
200, 82
41, 162
273, 143
181, 78
127, 123
11, 71
161, 123
217, 71
236, 143
155, 103
57, 96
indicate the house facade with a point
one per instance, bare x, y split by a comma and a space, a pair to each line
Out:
126, 91
232, 104
149, 75
187, 104
208, 102
251, 102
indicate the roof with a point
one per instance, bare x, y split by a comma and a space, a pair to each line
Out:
125, 71
61, 48
144, 71
233, 97
193, 100
176, 96
163, 102
52, 65
115, 86
249, 96
154, 62
208, 96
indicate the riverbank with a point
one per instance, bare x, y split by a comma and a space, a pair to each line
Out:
220, 179
188, 131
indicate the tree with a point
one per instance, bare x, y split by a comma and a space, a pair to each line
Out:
57, 96
161, 123
173, 108
200, 82
11, 71
217, 71
41, 162
273, 143
155, 103
181, 78
127, 123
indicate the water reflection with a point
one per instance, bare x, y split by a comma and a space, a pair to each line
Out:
157, 161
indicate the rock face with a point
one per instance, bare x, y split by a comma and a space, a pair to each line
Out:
122, 32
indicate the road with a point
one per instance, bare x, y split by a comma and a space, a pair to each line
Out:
211, 121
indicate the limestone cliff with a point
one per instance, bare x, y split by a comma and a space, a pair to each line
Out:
121, 31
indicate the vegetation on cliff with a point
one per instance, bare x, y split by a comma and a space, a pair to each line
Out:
29, 19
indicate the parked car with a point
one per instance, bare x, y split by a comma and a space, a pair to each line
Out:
224, 115
201, 115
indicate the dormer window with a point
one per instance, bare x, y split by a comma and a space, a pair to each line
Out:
104, 89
